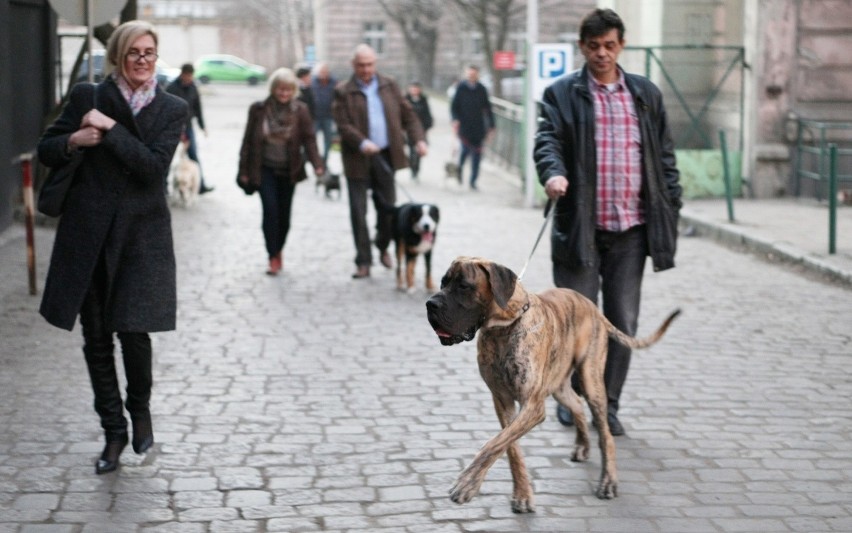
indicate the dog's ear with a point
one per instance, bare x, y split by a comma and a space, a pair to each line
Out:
502, 281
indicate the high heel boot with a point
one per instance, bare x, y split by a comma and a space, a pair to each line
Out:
112, 451
143, 432
136, 350
101, 366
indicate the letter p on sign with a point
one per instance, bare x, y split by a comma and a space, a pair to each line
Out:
552, 63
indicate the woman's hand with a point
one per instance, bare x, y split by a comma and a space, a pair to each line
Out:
97, 120
85, 137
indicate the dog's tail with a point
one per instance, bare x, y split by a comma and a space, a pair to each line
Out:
635, 343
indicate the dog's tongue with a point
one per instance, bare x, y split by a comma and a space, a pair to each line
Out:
428, 236
443, 334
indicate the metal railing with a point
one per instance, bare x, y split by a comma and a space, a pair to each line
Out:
812, 153
507, 145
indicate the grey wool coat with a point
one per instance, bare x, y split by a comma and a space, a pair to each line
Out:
116, 211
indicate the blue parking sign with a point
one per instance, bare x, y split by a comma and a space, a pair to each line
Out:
550, 61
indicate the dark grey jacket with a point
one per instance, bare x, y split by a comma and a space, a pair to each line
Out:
565, 146
116, 206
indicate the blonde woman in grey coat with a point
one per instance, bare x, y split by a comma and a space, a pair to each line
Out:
113, 259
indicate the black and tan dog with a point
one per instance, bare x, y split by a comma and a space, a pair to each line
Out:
528, 347
331, 182
415, 227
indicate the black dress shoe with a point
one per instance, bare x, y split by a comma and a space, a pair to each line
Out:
361, 273
109, 458
386, 260
615, 427
143, 432
564, 416
205, 189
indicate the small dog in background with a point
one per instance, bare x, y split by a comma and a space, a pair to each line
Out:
451, 168
184, 175
331, 182
414, 229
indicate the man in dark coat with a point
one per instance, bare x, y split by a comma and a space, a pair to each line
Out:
420, 104
372, 118
184, 86
306, 93
604, 154
322, 88
473, 120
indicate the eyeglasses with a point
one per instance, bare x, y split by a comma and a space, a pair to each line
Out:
149, 57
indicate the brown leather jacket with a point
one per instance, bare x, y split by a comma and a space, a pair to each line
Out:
251, 152
350, 114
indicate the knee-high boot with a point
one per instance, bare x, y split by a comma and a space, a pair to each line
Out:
136, 350
101, 364
98, 349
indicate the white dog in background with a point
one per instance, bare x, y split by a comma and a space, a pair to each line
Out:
184, 176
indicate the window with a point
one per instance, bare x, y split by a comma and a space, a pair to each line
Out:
375, 35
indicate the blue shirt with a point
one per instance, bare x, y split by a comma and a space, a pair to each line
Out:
375, 113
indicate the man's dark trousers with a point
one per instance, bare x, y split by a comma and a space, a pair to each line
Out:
617, 273
381, 181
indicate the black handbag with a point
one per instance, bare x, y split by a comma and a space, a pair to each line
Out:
54, 190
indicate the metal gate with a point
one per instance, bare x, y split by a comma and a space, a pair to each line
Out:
703, 88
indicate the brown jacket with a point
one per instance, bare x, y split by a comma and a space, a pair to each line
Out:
350, 114
251, 152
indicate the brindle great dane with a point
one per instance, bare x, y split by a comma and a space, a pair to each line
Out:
528, 347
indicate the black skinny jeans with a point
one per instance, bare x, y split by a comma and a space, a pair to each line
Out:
276, 196
98, 349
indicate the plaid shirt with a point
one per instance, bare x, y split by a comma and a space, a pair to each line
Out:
619, 157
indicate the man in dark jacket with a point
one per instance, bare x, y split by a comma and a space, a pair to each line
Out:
184, 86
473, 120
306, 93
372, 118
605, 156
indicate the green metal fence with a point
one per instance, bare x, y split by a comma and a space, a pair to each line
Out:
507, 145
812, 154
703, 88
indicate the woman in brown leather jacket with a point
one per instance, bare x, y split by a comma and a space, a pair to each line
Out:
279, 134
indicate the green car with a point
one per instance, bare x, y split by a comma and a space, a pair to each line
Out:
227, 68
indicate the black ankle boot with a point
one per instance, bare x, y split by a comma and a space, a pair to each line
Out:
112, 451
143, 432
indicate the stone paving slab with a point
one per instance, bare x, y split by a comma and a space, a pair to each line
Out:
312, 402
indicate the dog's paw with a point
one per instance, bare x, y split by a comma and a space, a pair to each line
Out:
581, 453
607, 488
465, 489
523, 505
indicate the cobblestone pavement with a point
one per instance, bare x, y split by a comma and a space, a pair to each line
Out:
312, 402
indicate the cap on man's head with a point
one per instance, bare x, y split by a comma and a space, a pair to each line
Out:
302, 71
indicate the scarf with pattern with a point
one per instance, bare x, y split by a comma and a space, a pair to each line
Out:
142, 96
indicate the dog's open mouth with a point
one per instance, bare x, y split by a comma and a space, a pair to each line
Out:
428, 236
448, 339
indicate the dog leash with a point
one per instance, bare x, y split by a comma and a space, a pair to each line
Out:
548, 214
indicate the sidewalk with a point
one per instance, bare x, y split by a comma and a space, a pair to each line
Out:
791, 230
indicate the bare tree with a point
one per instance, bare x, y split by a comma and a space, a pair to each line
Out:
493, 19
418, 20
